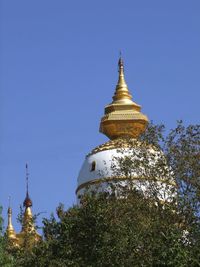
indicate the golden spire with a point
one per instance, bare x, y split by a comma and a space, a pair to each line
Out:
28, 224
10, 229
123, 117
121, 93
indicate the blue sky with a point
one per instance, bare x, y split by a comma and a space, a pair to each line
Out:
58, 69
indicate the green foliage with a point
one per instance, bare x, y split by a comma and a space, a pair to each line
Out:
106, 231
6, 260
133, 229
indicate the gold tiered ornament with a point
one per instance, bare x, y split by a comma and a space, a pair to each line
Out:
123, 117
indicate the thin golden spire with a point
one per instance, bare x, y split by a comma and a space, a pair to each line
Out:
122, 94
10, 229
121, 81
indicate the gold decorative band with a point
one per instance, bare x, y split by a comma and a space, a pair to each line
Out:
121, 143
122, 178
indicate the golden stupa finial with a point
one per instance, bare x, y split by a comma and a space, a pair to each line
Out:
28, 224
10, 229
123, 117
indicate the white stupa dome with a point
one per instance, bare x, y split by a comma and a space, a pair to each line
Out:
102, 165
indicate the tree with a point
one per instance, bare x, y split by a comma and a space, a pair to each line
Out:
135, 229
6, 260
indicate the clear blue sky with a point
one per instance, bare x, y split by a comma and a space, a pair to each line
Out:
58, 69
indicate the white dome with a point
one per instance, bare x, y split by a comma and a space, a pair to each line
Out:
102, 161
98, 165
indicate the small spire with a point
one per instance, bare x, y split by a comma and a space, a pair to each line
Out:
27, 174
9, 215
121, 64
10, 229
9, 201
27, 201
